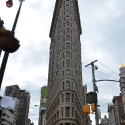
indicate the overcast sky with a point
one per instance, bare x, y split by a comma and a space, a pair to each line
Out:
103, 35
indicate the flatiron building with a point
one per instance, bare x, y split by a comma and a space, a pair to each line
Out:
65, 91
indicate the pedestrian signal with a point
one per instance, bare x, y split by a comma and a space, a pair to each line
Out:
86, 109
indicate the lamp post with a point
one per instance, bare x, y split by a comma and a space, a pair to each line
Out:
9, 4
94, 88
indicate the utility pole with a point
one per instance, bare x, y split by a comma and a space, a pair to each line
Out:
95, 88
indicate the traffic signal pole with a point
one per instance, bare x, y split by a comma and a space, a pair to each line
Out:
94, 90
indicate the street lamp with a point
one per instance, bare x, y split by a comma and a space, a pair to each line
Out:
6, 54
95, 88
9, 3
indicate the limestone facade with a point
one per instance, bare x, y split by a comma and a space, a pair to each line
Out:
65, 92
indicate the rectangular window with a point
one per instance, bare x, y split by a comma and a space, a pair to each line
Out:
67, 73
67, 1
67, 38
67, 97
67, 11
67, 84
67, 111
67, 62
67, 23
67, 54
67, 30
67, 45
67, 6
67, 17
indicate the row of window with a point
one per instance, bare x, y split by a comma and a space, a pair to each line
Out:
66, 97
8, 122
3, 114
69, 112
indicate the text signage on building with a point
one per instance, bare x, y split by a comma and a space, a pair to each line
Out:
43, 99
8, 102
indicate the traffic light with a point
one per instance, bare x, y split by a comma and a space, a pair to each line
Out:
93, 108
86, 109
